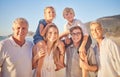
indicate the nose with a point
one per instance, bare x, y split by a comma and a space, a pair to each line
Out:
21, 30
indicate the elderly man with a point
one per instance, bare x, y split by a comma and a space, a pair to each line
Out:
16, 52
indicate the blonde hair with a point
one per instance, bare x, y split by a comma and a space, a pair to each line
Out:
56, 51
20, 21
96, 22
68, 10
49, 7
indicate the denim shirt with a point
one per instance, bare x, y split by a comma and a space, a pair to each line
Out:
37, 37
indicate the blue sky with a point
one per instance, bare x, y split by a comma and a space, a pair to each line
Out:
32, 10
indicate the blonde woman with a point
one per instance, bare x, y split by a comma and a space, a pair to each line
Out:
52, 52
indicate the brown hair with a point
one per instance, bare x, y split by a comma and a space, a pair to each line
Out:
77, 27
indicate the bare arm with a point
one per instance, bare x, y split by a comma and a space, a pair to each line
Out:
62, 52
44, 29
82, 47
36, 56
65, 33
60, 64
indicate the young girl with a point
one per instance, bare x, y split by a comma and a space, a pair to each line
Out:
49, 15
69, 14
52, 52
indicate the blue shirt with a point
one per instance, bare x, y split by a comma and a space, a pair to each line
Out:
37, 37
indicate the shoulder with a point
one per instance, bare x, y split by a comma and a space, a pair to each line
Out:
77, 21
29, 43
42, 21
5, 44
5, 41
108, 41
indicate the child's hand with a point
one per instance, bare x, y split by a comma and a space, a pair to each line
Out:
50, 24
67, 40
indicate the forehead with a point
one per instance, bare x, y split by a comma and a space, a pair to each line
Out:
76, 30
95, 25
20, 25
52, 29
49, 9
68, 11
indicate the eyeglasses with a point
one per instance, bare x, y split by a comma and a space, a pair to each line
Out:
77, 34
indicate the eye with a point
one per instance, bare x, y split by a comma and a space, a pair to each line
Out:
55, 33
50, 33
66, 14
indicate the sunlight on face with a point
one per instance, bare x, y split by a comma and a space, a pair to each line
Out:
96, 30
52, 34
69, 16
20, 31
76, 35
49, 14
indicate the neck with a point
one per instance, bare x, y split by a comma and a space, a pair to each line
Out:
49, 21
70, 22
49, 45
99, 41
76, 44
18, 41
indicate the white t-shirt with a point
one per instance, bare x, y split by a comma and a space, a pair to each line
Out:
109, 59
15, 61
76, 22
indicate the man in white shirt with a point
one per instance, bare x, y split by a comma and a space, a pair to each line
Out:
107, 53
16, 52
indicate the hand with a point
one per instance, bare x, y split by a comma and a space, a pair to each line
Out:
83, 64
50, 24
40, 53
61, 47
83, 56
67, 40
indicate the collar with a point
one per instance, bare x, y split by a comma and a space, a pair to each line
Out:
15, 44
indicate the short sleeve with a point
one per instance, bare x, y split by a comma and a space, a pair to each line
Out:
83, 26
91, 56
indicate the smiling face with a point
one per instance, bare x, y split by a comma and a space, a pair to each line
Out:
96, 30
49, 14
20, 29
68, 14
76, 35
52, 34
